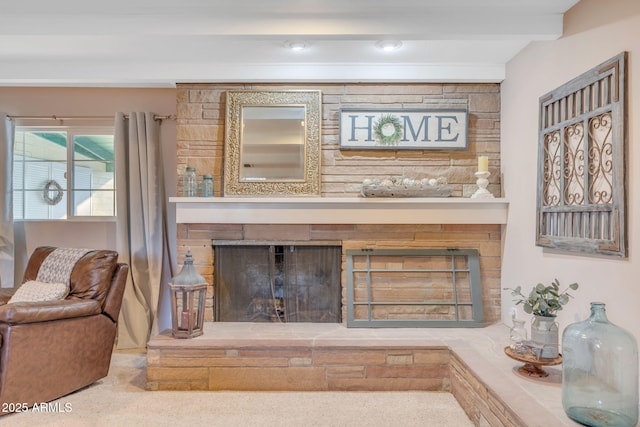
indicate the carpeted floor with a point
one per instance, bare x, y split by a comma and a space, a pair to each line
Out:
121, 400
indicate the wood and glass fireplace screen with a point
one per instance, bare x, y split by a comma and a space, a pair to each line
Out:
582, 163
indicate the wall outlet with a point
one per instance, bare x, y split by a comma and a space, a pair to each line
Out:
512, 312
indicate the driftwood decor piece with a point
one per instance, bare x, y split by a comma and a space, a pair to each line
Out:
406, 187
581, 200
374, 190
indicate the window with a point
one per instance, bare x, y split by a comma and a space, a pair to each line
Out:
63, 173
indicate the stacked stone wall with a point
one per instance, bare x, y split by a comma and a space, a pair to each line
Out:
200, 133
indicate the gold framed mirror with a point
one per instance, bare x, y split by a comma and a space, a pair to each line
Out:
272, 143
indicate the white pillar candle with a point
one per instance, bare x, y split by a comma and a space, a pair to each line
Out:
483, 164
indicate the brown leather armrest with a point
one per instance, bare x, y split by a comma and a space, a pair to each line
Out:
31, 312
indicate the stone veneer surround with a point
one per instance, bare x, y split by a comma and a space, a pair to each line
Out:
200, 131
201, 118
484, 237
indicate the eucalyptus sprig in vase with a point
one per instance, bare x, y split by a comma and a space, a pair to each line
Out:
544, 301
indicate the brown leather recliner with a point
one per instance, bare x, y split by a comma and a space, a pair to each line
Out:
50, 349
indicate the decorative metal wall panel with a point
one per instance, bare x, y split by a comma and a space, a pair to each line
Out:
581, 202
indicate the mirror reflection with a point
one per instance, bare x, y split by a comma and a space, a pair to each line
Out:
272, 143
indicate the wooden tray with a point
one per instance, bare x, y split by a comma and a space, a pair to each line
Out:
406, 190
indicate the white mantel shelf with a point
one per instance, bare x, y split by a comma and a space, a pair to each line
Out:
339, 210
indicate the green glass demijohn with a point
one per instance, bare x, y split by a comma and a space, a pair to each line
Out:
600, 372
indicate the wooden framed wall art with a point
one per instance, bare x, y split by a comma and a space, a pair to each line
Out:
582, 150
396, 129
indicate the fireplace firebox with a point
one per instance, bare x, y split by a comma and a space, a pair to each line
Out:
277, 282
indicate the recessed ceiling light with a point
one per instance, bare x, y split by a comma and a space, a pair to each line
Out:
389, 45
295, 45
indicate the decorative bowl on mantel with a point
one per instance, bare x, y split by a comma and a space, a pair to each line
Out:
404, 187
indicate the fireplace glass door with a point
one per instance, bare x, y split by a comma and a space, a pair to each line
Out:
277, 283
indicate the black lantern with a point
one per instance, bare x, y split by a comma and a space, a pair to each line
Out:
188, 289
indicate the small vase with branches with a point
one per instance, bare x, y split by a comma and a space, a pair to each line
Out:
544, 301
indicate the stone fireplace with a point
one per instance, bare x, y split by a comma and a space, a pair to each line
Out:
340, 213
330, 356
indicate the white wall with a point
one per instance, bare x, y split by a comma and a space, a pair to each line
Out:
61, 102
595, 31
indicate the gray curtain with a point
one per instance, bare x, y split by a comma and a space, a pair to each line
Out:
7, 246
141, 224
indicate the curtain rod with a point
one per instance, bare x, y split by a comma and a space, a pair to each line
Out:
63, 118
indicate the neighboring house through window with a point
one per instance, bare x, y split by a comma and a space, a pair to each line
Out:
63, 172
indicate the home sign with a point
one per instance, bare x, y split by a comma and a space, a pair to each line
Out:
427, 129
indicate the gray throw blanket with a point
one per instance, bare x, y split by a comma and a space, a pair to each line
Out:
57, 266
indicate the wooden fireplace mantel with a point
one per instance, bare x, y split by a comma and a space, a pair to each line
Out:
339, 210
